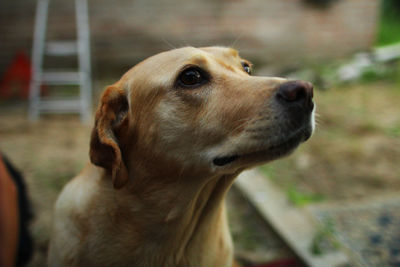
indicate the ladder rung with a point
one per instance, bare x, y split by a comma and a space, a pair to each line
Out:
56, 77
61, 48
59, 105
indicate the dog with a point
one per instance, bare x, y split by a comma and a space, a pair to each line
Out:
168, 141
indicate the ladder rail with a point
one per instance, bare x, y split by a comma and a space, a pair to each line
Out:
82, 22
82, 77
37, 58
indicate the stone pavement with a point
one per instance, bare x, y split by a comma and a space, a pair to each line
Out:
369, 230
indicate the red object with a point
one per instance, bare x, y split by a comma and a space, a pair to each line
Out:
9, 218
17, 77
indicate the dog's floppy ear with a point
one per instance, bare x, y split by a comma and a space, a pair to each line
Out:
111, 115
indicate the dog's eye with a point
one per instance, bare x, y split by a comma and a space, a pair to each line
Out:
191, 77
246, 67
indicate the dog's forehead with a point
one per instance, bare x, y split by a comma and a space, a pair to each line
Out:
187, 55
221, 52
211, 51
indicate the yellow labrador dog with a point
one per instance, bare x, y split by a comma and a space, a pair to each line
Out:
169, 139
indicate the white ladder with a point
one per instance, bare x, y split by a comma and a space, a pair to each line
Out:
78, 104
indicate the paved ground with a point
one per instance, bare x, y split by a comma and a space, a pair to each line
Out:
369, 231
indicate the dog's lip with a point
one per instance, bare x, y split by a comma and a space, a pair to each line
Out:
222, 161
271, 152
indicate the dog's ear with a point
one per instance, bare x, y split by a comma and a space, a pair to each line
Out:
111, 116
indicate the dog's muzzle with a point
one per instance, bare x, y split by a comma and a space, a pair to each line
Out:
294, 100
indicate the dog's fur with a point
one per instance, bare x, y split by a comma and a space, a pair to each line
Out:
163, 156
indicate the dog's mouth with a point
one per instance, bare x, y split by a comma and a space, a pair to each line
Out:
272, 152
222, 161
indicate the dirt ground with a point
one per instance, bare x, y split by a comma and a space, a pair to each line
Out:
48, 154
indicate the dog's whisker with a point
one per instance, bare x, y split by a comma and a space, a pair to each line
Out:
238, 37
249, 122
184, 42
320, 124
169, 44
241, 125
319, 121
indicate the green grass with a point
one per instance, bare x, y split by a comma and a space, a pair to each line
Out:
294, 194
394, 131
324, 239
299, 198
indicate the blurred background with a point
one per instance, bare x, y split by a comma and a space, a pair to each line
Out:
346, 178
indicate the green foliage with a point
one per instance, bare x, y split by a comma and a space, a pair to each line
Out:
324, 240
393, 131
268, 170
299, 198
295, 196
320, 3
379, 72
389, 24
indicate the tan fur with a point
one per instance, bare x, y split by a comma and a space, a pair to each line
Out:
155, 197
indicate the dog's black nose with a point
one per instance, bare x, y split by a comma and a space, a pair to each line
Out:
296, 92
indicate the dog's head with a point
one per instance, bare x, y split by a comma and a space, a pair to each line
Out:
199, 110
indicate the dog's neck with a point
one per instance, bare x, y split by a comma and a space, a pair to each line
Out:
183, 216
